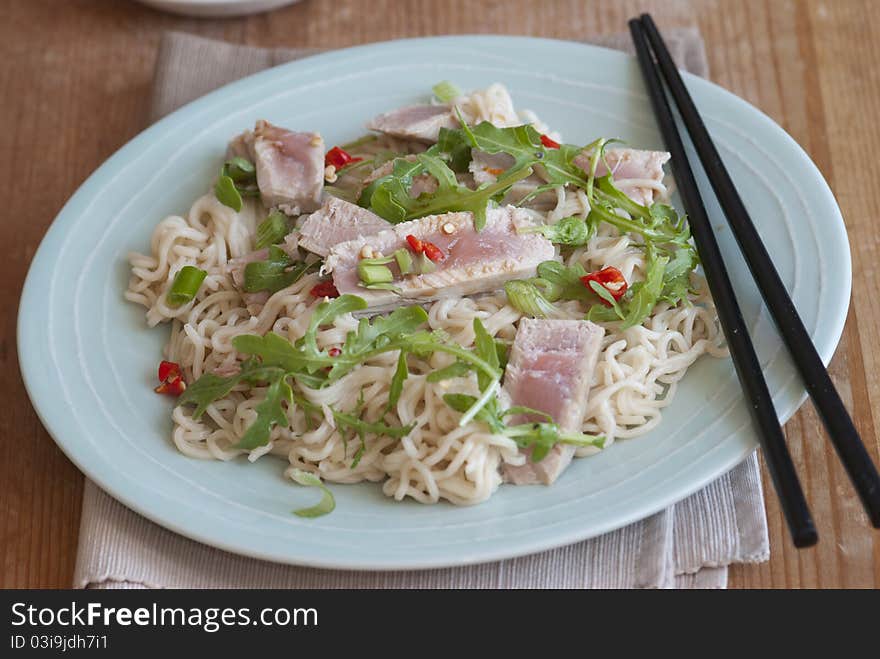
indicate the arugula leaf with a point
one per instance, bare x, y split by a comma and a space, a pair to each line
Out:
456, 369
401, 373
484, 346
270, 413
456, 147
326, 505
571, 231
566, 280
465, 402
646, 294
676, 277
345, 421
390, 198
524, 144
210, 387
278, 271
606, 295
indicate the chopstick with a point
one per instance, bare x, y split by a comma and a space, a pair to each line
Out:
748, 368
841, 430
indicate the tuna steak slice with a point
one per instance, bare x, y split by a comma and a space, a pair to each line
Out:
550, 370
636, 173
337, 221
290, 165
415, 122
474, 262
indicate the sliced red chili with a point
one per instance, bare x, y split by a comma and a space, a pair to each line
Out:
339, 158
433, 252
494, 171
324, 289
425, 247
167, 370
334, 352
173, 386
550, 144
611, 279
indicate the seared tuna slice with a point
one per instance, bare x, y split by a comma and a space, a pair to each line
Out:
472, 262
550, 370
337, 221
290, 165
415, 122
638, 174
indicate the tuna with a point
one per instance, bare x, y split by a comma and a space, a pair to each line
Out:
290, 165
337, 221
487, 166
638, 174
550, 370
415, 122
475, 262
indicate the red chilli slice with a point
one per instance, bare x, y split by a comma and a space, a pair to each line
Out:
168, 369
429, 249
550, 144
611, 279
339, 158
324, 289
172, 383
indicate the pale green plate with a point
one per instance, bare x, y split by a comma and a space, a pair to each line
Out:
88, 359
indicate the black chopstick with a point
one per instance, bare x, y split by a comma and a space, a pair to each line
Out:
748, 368
841, 430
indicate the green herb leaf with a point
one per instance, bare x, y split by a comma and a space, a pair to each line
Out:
456, 369
646, 294
606, 295
571, 231
327, 503
278, 271
270, 412
389, 196
484, 346
401, 373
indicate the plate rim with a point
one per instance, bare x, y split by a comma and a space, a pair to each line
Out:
65, 217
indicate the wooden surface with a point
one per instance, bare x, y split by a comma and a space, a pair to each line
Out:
75, 81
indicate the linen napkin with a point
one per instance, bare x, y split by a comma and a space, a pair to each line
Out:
688, 545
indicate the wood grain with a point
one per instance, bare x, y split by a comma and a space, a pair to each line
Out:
75, 86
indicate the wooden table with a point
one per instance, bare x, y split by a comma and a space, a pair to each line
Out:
75, 82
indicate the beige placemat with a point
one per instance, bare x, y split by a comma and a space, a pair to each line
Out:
688, 545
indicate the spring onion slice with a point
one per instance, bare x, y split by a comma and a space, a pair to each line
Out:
374, 273
525, 296
271, 230
327, 503
446, 91
227, 193
186, 285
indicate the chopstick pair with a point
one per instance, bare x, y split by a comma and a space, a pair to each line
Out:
841, 429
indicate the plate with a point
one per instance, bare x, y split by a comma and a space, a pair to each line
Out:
88, 358
216, 8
